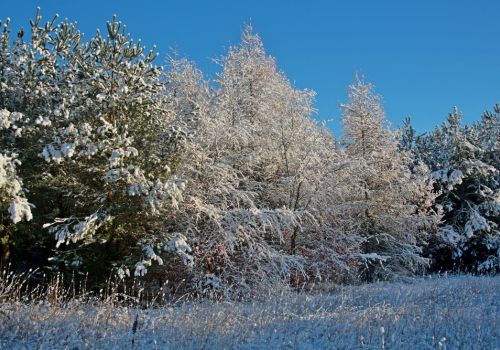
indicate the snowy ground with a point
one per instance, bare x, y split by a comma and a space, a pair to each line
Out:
432, 313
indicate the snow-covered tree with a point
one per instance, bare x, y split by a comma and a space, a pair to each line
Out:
258, 167
388, 203
95, 139
464, 162
228, 187
27, 75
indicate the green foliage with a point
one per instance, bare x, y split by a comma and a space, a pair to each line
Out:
93, 142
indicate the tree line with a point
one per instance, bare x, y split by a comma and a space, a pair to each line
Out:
113, 164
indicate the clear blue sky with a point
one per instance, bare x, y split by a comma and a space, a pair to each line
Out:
423, 56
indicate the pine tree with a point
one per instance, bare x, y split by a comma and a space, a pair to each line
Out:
30, 80
93, 134
464, 161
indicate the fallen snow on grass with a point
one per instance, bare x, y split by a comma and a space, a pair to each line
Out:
431, 313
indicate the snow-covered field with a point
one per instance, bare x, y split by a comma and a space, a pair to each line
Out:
432, 313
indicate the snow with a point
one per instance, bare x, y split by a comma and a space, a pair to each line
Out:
72, 230
19, 209
450, 178
458, 312
476, 223
11, 190
449, 235
178, 244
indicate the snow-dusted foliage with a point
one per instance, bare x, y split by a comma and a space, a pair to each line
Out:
15, 62
465, 165
12, 198
388, 204
261, 176
31, 77
94, 130
14, 206
222, 188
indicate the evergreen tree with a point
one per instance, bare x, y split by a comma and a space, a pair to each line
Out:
92, 131
465, 162
31, 74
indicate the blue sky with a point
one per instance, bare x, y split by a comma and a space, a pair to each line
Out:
423, 56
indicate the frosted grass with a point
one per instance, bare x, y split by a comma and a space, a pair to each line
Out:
431, 313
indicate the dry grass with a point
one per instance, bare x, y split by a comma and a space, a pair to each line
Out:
460, 312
